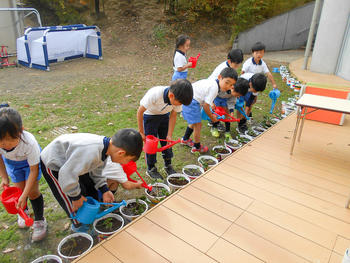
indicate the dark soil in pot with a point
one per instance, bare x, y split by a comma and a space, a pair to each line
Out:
207, 162
134, 209
48, 261
178, 181
158, 191
108, 224
221, 150
75, 246
193, 172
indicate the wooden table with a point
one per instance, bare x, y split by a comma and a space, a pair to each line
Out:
318, 103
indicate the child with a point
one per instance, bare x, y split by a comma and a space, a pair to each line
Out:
72, 165
20, 157
226, 99
157, 116
257, 83
204, 93
116, 176
255, 64
180, 62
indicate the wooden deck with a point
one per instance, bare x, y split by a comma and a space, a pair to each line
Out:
258, 205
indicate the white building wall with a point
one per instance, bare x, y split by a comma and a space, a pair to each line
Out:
330, 35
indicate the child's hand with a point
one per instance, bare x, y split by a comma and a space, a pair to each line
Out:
189, 65
22, 201
139, 184
108, 197
274, 86
4, 181
78, 203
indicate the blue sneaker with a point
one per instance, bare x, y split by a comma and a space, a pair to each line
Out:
84, 228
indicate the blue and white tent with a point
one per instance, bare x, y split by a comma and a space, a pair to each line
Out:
41, 46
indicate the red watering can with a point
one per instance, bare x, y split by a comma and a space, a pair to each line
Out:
9, 199
151, 144
220, 111
194, 60
131, 168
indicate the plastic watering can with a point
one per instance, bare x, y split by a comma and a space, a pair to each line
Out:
274, 94
131, 168
220, 113
194, 60
9, 199
239, 106
90, 210
151, 144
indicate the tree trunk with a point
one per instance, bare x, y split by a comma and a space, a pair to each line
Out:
172, 7
97, 7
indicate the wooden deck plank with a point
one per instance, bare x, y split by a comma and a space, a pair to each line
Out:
325, 207
128, 249
335, 258
208, 220
212, 203
99, 254
220, 192
260, 247
182, 228
164, 243
274, 175
283, 238
341, 245
290, 168
224, 251
294, 224
312, 216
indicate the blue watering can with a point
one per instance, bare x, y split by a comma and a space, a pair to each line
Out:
274, 94
90, 210
239, 106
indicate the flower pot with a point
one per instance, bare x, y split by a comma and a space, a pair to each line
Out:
192, 175
180, 183
103, 233
83, 242
203, 158
125, 212
233, 144
222, 151
156, 199
258, 129
252, 133
48, 258
244, 139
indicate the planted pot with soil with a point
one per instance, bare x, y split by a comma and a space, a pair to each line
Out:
177, 181
48, 259
192, 171
250, 132
221, 152
74, 245
107, 225
233, 144
244, 139
133, 209
207, 161
258, 129
159, 192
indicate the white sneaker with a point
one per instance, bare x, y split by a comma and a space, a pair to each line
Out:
39, 230
20, 221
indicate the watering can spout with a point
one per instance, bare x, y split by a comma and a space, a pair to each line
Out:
111, 209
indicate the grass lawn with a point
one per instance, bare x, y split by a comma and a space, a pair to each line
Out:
102, 107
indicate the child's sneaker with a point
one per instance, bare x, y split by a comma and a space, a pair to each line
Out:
221, 127
228, 137
202, 149
154, 174
39, 230
188, 142
242, 128
84, 228
169, 169
210, 124
214, 132
20, 221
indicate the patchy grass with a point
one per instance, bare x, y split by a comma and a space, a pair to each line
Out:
102, 107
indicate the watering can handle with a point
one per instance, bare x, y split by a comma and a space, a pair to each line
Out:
242, 111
